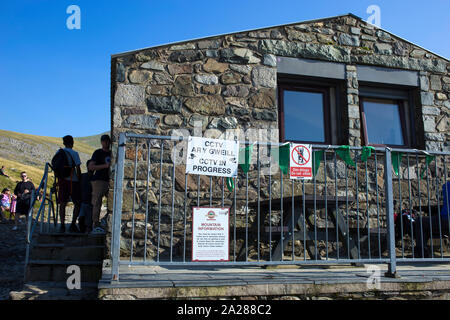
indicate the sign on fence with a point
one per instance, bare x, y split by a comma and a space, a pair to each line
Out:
210, 234
300, 161
212, 157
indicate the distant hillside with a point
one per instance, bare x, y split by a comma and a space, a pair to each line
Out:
34, 151
93, 141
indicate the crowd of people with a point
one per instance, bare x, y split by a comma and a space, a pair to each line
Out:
16, 204
85, 190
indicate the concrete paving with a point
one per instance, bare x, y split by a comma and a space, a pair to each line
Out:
167, 282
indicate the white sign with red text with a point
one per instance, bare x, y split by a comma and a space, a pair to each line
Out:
210, 234
300, 161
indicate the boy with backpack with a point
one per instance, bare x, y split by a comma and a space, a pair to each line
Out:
66, 165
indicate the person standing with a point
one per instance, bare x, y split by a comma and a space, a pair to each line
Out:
85, 217
69, 187
23, 191
101, 161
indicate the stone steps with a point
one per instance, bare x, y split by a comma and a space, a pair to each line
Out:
50, 256
59, 251
56, 270
71, 239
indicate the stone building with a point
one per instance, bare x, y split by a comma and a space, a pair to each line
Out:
339, 72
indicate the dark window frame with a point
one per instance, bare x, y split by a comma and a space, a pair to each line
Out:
283, 86
391, 94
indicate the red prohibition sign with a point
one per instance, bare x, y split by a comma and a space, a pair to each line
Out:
299, 155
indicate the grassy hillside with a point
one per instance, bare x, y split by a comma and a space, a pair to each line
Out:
35, 151
79, 145
24, 152
93, 141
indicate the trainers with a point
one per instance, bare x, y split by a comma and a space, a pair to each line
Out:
98, 230
14, 228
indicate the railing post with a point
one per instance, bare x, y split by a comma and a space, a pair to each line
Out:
117, 213
392, 265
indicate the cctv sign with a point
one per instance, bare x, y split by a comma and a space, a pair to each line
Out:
212, 157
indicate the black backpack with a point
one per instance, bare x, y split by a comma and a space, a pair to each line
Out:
61, 165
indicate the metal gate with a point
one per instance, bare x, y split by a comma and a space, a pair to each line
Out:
345, 214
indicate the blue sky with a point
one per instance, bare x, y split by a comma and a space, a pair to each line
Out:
55, 81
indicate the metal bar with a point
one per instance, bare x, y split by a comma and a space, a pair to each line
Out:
246, 217
223, 192
292, 220
113, 235
378, 207
337, 207
357, 209
315, 213
259, 201
400, 203
446, 195
146, 201
270, 206
410, 207
326, 201
281, 216
118, 209
439, 206
390, 215
49, 209
346, 207
429, 210
304, 220
173, 202
368, 211
160, 197
420, 205
134, 197
198, 190
262, 263
234, 224
276, 144
210, 191
185, 214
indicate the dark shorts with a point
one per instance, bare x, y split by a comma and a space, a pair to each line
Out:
23, 206
69, 191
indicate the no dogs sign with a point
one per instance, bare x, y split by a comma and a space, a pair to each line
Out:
300, 161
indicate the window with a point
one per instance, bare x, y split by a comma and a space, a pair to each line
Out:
385, 119
304, 113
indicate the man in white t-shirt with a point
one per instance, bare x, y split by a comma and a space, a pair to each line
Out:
69, 187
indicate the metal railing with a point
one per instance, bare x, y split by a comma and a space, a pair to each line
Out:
43, 194
345, 214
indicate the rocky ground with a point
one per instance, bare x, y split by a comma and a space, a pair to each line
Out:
12, 255
12, 258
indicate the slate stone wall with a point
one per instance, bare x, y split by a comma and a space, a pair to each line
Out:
229, 83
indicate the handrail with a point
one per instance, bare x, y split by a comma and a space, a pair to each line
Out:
32, 223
